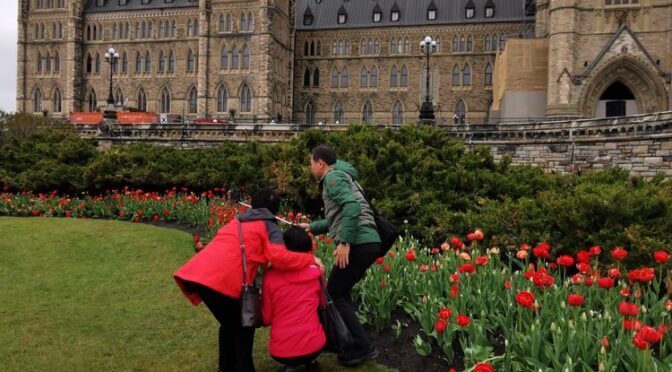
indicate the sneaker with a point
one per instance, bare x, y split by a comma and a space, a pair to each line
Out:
355, 357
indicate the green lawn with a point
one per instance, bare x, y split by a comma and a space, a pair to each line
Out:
89, 295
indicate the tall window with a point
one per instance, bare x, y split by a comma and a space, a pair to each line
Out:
470, 43
455, 46
162, 61
243, 23
165, 101
193, 101
221, 23
338, 112
119, 97
190, 61
397, 113
316, 77
246, 57
124, 63
488, 75
334, 78
171, 62
344, 78
250, 22
97, 63
222, 99
310, 113
92, 101
393, 76
38, 63
224, 60
234, 57
138, 63
148, 63
56, 101
367, 113
306, 78
364, 77
460, 112
37, 101
487, 43
456, 75
245, 99
57, 63
466, 76
229, 23
374, 77
404, 76
142, 100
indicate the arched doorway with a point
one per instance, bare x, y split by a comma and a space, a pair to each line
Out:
617, 100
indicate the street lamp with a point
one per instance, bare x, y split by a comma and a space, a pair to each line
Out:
428, 47
112, 56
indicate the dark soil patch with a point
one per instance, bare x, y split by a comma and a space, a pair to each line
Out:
193, 230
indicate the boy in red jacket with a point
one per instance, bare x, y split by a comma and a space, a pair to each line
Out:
290, 299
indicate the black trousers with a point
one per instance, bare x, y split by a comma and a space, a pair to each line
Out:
235, 341
298, 361
340, 284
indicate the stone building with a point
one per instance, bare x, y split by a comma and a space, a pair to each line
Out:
342, 61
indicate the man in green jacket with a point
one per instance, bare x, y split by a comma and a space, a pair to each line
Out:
349, 221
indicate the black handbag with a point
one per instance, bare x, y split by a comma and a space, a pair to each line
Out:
387, 231
250, 300
337, 333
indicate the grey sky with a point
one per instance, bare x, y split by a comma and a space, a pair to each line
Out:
8, 30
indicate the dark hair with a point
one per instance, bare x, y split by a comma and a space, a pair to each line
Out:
324, 153
297, 240
266, 198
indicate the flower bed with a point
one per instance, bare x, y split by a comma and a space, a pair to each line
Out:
520, 309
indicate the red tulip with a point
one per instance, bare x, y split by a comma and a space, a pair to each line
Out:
542, 250
565, 261
380, 260
625, 292
583, 267
507, 285
423, 268
196, 238
605, 342
583, 256
445, 313
155, 218
456, 242
481, 260
392, 255
199, 246
383, 284
614, 273
433, 268
479, 235
589, 282
575, 300
628, 309
466, 268
644, 275
68, 214
140, 212
435, 251
605, 283
650, 334
630, 325
595, 251
661, 256
122, 213
455, 278
454, 290
619, 254
410, 255
387, 268
640, 342
471, 237
484, 367
525, 299
440, 326
577, 279
463, 320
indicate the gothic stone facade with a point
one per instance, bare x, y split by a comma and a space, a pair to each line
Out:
333, 61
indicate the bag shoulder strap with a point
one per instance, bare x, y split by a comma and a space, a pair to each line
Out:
368, 201
242, 251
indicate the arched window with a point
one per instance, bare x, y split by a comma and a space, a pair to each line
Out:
37, 100
316, 77
97, 63
364, 77
193, 101
460, 112
404, 76
222, 99
245, 99
487, 43
229, 23
362, 47
502, 41
89, 64
488, 75
338, 112
38, 63
57, 63
222, 24
376, 46
312, 48
171, 62
191, 63
334, 78
124, 63
393, 46
162, 29
310, 113
148, 63
456, 75
344, 78
190, 28
462, 44
466, 76
250, 22
234, 57
165, 101
138, 63
246, 57
407, 46
455, 46
306, 78
495, 41
374, 77
92, 100
318, 48
162, 61
57, 101
118, 97
224, 60
393, 76
470, 43
173, 29
47, 64
397, 113
367, 113
243, 23
142, 100
306, 48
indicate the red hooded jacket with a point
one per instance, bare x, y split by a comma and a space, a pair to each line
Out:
219, 266
289, 304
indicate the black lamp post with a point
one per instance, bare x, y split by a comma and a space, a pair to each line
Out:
111, 57
428, 47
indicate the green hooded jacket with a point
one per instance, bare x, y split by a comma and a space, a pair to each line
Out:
349, 218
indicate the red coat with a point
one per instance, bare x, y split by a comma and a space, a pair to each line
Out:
219, 266
289, 304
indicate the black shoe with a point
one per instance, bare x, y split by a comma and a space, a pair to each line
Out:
355, 357
313, 366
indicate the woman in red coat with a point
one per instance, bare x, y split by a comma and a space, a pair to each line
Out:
215, 275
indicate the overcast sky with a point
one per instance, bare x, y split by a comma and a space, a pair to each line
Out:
8, 29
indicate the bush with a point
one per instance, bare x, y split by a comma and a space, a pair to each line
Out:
417, 174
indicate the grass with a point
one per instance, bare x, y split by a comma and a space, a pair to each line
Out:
92, 295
